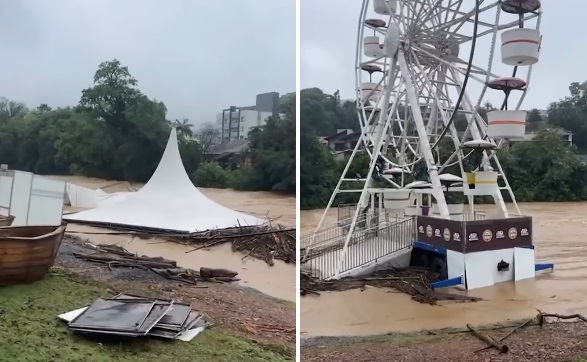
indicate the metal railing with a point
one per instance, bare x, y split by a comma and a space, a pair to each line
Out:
345, 211
327, 236
366, 246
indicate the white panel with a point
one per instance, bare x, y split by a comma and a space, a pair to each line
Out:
506, 255
168, 201
46, 205
5, 192
524, 264
455, 264
20, 199
80, 196
478, 270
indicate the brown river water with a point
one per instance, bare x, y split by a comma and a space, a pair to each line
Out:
560, 231
278, 281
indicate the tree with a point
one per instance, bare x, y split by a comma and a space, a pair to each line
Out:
116, 132
207, 136
325, 113
210, 174
272, 149
533, 119
11, 109
318, 174
544, 169
184, 128
570, 113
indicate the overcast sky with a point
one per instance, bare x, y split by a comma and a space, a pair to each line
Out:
197, 56
328, 42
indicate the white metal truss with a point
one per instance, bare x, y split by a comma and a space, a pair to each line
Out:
444, 53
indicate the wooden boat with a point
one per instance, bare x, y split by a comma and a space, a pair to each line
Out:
6, 220
27, 252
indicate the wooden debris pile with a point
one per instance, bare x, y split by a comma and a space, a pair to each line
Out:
263, 242
256, 328
416, 282
118, 257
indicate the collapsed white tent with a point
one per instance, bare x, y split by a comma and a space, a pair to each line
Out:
169, 201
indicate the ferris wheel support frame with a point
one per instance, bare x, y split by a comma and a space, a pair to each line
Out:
376, 152
374, 138
399, 61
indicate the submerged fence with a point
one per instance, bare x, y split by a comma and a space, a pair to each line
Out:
365, 246
375, 236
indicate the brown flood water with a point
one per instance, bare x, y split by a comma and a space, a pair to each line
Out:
560, 231
278, 281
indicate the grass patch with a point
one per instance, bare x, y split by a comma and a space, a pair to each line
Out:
288, 303
31, 332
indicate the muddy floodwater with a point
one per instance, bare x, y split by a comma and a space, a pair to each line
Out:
278, 281
560, 231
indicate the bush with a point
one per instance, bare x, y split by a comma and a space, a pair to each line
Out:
211, 174
241, 179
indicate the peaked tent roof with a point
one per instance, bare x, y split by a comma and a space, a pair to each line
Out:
169, 201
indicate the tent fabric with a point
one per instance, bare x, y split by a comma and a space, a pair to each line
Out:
169, 201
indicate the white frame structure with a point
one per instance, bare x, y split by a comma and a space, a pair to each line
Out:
421, 66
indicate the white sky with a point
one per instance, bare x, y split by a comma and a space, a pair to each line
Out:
329, 35
197, 56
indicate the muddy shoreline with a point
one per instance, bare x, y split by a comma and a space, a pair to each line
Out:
229, 306
70, 245
550, 342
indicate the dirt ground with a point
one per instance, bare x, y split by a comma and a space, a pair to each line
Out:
564, 342
239, 311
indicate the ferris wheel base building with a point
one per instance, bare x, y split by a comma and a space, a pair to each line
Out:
417, 204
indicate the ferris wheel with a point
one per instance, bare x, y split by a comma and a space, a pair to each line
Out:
422, 66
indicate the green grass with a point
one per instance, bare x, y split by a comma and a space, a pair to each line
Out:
31, 332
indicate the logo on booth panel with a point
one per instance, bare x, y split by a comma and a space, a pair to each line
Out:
421, 229
524, 232
512, 233
446, 234
487, 235
429, 231
473, 237
456, 237
437, 233
499, 234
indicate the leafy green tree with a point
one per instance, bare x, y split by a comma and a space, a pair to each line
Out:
545, 169
326, 113
272, 151
318, 170
570, 113
117, 132
211, 174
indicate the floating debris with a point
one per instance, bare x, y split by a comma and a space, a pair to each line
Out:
416, 282
263, 242
137, 316
118, 257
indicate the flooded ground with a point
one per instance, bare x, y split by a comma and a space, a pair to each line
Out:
277, 281
560, 237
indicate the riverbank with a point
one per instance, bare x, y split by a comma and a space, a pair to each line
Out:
559, 342
247, 325
30, 330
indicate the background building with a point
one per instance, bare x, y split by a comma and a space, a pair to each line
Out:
235, 122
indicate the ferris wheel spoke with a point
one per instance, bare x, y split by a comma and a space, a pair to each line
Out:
406, 111
447, 63
461, 18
